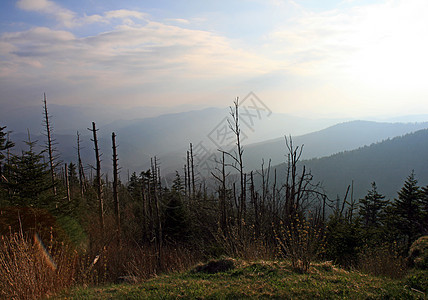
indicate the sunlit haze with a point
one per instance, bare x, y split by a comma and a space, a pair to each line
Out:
336, 58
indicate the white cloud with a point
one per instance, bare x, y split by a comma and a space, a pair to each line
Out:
124, 14
178, 21
128, 59
326, 60
64, 16
69, 19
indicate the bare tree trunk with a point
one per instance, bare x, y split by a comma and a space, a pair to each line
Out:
255, 206
238, 158
82, 179
145, 204
193, 171
157, 212
98, 176
49, 144
67, 182
188, 175
185, 182
115, 186
222, 194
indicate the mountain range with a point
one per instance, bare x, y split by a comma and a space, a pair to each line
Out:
336, 151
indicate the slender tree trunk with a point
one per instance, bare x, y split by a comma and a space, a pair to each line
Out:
188, 175
115, 186
67, 182
49, 144
157, 212
82, 179
98, 176
186, 192
193, 172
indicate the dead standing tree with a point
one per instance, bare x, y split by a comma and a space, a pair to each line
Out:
222, 194
115, 185
49, 143
237, 160
157, 190
82, 179
299, 230
98, 175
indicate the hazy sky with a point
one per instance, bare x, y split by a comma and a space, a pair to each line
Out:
347, 58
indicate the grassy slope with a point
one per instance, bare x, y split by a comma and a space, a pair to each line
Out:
256, 280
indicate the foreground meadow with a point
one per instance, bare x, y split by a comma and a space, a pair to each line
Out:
231, 279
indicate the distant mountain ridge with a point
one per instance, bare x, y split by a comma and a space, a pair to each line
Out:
340, 137
168, 137
387, 163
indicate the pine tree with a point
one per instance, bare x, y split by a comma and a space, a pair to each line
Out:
372, 214
406, 210
29, 179
4, 143
371, 208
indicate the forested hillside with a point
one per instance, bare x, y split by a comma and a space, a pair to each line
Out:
387, 163
337, 138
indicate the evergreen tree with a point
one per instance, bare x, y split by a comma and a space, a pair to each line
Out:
134, 187
177, 185
72, 176
4, 143
406, 211
176, 226
372, 214
29, 179
371, 207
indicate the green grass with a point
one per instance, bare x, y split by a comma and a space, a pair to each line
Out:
260, 279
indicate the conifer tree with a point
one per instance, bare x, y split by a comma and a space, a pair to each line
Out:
406, 211
30, 178
424, 208
4, 142
371, 208
372, 213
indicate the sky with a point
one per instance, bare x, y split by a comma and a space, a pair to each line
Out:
332, 58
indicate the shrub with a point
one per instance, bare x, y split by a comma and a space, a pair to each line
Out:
301, 241
418, 254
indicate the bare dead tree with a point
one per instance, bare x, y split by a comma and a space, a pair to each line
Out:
157, 209
98, 182
193, 172
115, 185
82, 179
49, 143
237, 159
300, 190
186, 191
67, 182
222, 193
189, 182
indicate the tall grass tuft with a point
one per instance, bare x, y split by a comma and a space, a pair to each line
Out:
29, 271
382, 261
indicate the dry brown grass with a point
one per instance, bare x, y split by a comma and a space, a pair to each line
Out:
382, 262
29, 271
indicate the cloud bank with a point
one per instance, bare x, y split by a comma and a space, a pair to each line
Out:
368, 57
